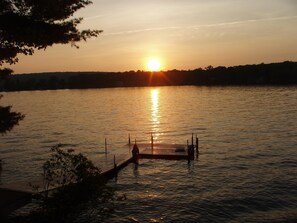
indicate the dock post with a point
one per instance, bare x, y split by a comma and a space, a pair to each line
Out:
189, 151
105, 146
192, 140
114, 162
197, 145
129, 141
152, 141
115, 167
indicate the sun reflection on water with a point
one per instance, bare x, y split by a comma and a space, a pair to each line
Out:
155, 112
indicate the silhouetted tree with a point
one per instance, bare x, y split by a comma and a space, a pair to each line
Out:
27, 25
8, 119
209, 67
4, 73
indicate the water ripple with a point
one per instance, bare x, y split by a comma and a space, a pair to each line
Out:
246, 170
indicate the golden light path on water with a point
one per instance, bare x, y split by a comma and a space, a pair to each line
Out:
155, 117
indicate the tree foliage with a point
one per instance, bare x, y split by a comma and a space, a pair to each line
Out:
8, 118
65, 167
78, 187
27, 25
77, 182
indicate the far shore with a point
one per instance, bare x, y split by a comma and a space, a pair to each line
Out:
284, 73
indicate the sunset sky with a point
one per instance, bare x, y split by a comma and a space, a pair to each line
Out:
181, 34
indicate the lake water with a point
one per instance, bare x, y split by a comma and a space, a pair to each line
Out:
246, 172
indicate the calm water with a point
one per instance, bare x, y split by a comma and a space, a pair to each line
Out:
246, 172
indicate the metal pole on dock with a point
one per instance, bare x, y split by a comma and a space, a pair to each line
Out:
105, 146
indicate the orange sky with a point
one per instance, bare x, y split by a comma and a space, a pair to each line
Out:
183, 34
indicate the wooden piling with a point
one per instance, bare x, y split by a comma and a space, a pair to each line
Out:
129, 140
105, 146
197, 145
152, 141
189, 151
115, 167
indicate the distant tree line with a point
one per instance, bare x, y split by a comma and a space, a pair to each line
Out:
284, 73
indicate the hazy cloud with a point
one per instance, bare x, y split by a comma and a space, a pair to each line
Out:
201, 26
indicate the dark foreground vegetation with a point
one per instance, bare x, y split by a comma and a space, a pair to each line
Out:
80, 190
263, 74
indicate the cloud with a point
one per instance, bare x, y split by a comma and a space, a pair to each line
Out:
245, 22
94, 17
142, 30
200, 26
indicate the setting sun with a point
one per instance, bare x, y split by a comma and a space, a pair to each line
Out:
154, 65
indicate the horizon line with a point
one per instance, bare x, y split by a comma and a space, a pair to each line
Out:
248, 64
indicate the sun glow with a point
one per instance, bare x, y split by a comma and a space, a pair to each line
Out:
154, 65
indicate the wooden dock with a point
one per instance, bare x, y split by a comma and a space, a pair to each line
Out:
18, 194
165, 151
